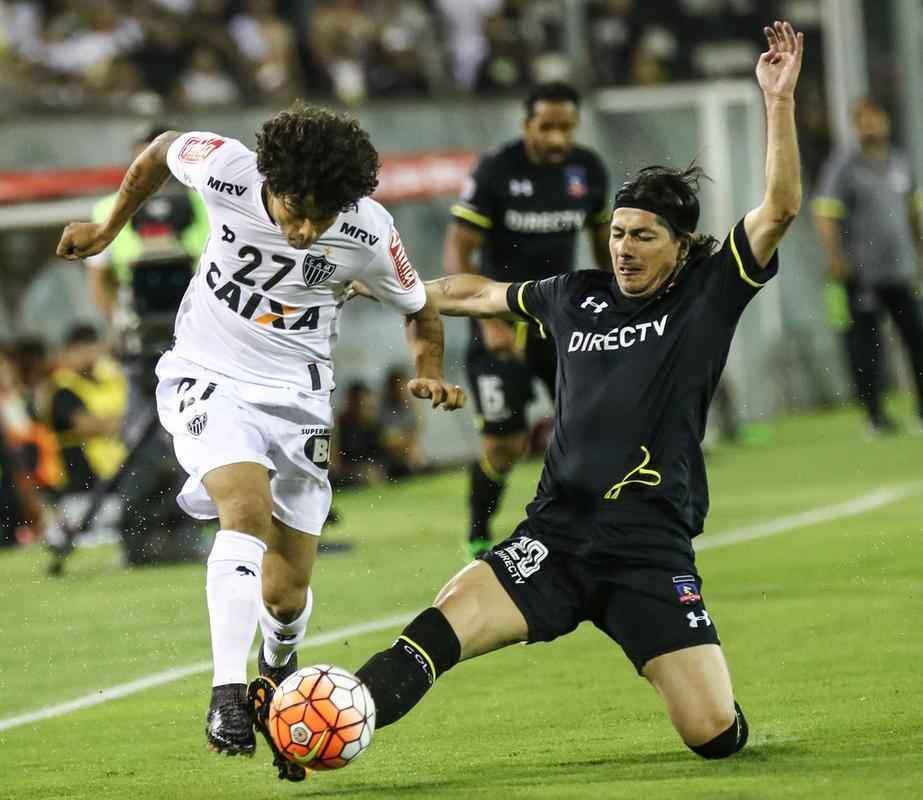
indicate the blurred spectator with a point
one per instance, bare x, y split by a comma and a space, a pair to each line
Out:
205, 83
359, 439
36, 445
342, 34
267, 43
466, 25
399, 64
400, 427
507, 63
870, 219
21, 515
84, 404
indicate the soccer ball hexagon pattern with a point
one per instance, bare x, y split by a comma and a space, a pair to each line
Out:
322, 717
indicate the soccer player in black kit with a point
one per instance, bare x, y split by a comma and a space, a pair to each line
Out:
607, 538
522, 209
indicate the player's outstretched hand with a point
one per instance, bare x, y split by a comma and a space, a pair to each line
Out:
778, 68
82, 239
445, 395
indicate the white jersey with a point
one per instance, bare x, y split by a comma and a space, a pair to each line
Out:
258, 310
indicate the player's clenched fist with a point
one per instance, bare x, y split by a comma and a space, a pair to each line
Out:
83, 239
447, 395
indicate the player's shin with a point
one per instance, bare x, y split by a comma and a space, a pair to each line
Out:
399, 676
281, 639
233, 589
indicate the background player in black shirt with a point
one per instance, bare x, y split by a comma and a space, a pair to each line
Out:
608, 537
521, 211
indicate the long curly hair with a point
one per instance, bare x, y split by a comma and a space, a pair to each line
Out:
307, 151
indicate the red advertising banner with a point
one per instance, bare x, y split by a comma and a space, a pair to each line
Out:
405, 177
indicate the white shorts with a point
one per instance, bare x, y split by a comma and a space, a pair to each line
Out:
215, 421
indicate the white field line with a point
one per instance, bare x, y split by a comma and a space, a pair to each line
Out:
816, 516
178, 673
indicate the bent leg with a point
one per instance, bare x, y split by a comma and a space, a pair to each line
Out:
287, 597
696, 686
471, 615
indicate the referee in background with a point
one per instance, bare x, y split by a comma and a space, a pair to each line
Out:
520, 211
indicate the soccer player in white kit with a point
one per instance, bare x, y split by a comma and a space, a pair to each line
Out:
245, 390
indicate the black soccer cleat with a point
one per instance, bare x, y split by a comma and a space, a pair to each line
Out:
277, 674
229, 727
259, 696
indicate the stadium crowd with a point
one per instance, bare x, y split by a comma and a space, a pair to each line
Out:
143, 55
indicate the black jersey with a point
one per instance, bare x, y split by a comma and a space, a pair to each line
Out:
530, 214
624, 467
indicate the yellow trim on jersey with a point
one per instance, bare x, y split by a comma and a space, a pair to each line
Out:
472, 216
740, 264
652, 475
422, 652
522, 305
829, 207
491, 471
521, 330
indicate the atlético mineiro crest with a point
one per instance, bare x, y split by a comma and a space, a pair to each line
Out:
576, 182
197, 424
316, 269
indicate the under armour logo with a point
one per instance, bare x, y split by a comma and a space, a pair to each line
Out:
227, 235
245, 570
521, 188
597, 307
695, 619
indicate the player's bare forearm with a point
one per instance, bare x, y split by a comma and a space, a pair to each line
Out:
469, 296
425, 336
145, 176
831, 237
777, 73
783, 162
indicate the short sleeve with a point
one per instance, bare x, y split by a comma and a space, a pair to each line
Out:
477, 205
536, 301
391, 277
833, 196
193, 154
734, 275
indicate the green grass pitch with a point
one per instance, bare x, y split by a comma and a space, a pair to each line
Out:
821, 625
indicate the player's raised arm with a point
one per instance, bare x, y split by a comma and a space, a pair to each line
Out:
469, 296
777, 73
145, 176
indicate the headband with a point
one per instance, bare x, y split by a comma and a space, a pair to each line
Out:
681, 220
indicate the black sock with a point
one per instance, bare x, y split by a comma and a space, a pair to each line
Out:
399, 676
487, 487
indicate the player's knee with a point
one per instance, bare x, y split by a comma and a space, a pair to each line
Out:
727, 737
284, 599
247, 513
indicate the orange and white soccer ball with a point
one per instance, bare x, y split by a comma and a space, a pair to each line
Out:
322, 717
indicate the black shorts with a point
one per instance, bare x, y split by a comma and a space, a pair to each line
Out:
502, 388
648, 610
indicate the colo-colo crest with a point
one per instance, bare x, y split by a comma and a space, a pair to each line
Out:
316, 269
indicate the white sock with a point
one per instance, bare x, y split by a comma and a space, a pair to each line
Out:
233, 586
281, 639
